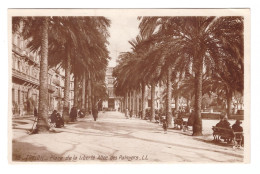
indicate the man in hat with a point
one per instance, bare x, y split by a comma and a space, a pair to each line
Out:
236, 127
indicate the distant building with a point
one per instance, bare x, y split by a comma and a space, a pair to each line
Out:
113, 102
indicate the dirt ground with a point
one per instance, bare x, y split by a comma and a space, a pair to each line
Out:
113, 138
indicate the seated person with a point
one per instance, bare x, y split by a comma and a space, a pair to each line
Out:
223, 123
179, 119
236, 127
53, 116
59, 121
81, 114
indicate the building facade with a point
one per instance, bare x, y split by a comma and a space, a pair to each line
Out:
25, 80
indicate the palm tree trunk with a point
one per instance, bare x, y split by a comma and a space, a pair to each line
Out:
76, 90
229, 103
188, 99
176, 102
197, 126
89, 96
93, 103
152, 119
130, 101
134, 102
86, 97
126, 101
67, 90
83, 91
137, 104
169, 97
143, 100
42, 123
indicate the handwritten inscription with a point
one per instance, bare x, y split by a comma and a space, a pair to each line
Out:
85, 157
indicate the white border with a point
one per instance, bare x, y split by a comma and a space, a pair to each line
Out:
255, 35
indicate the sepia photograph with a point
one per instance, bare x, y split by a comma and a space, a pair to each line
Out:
129, 86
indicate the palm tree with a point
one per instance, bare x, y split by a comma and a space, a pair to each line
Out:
36, 30
85, 42
198, 42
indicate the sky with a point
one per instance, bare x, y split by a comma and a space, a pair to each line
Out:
123, 28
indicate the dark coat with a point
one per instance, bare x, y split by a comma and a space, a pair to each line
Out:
53, 117
73, 113
35, 113
237, 128
95, 113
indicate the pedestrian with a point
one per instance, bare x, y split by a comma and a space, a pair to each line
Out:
131, 113
95, 113
35, 112
127, 113
165, 124
73, 114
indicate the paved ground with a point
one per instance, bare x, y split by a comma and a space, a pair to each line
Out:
116, 139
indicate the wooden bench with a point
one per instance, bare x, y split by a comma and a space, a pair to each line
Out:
228, 135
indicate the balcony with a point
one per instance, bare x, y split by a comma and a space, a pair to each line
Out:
24, 53
18, 50
25, 77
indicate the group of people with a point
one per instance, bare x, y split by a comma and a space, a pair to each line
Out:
236, 127
56, 119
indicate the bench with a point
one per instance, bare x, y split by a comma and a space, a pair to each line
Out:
228, 135
178, 123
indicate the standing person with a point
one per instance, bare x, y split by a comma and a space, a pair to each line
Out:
131, 113
127, 112
35, 112
95, 113
165, 125
73, 114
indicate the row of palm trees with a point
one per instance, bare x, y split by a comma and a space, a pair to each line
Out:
79, 46
190, 56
